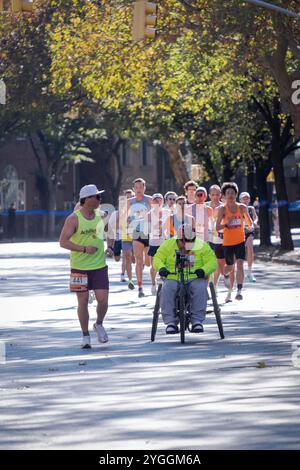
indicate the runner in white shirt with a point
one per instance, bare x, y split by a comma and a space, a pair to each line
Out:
157, 218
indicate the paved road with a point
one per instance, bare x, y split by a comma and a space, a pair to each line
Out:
239, 393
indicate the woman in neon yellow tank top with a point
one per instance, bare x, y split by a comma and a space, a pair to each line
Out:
83, 235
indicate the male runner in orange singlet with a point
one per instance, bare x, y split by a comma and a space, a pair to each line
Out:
231, 220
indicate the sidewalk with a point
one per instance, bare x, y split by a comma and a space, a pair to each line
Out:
275, 255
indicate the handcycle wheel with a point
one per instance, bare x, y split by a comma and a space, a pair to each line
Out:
181, 314
217, 309
155, 314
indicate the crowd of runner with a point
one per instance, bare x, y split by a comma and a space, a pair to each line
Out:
143, 222
147, 231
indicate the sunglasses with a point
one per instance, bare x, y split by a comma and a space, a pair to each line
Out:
200, 194
171, 198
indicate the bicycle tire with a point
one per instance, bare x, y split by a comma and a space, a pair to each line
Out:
181, 314
217, 309
155, 314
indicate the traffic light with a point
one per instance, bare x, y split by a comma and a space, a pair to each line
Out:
16, 6
144, 20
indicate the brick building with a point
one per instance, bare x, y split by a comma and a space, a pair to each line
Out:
21, 180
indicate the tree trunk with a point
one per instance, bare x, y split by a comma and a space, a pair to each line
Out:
119, 176
51, 204
263, 215
250, 181
282, 197
177, 162
295, 114
227, 170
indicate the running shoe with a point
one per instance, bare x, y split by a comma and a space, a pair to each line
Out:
228, 297
227, 281
141, 292
91, 296
251, 278
86, 342
122, 278
131, 285
101, 333
239, 295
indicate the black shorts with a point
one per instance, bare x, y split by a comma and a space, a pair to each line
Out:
249, 234
237, 251
117, 248
97, 278
141, 237
217, 249
152, 250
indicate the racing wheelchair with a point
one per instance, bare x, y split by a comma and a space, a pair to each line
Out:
182, 302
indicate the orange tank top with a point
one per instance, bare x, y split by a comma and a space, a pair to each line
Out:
234, 234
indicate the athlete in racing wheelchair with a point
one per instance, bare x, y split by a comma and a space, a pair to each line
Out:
199, 262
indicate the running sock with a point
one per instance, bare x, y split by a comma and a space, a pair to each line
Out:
240, 286
85, 333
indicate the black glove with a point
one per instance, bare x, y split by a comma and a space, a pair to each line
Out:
163, 272
200, 273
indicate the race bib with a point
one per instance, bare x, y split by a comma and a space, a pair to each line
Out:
78, 282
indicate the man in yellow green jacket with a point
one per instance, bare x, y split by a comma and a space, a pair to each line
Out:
201, 263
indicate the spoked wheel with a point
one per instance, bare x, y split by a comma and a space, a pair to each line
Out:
155, 314
217, 309
181, 314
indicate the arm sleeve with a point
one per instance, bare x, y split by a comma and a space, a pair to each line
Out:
159, 260
210, 260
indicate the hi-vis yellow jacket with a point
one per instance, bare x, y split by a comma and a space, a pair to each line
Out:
204, 258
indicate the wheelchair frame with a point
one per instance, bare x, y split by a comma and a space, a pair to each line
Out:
182, 309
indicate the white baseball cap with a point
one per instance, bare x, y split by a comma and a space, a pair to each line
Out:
201, 189
244, 194
157, 195
89, 190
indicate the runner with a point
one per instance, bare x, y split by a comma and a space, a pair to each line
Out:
216, 242
137, 208
126, 239
231, 219
179, 217
202, 214
170, 201
190, 191
114, 238
157, 217
83, 235
245, 199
